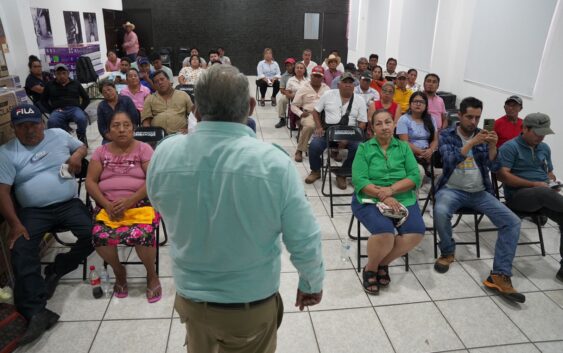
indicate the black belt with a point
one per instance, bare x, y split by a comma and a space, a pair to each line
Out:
240, 305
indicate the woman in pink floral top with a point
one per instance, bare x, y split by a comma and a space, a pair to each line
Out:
116, 181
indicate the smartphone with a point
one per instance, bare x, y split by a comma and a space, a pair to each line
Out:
489, 124
555, 184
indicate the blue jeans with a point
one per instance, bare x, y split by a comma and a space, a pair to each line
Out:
448, 201
317, 147
61, 117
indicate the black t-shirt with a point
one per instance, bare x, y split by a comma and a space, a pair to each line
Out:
32, 81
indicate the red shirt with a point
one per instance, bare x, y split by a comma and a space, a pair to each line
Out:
507, 130
392, 109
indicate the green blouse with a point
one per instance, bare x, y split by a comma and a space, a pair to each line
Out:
373, 166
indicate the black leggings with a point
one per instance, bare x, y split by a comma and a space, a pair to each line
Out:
540, 198
263, 85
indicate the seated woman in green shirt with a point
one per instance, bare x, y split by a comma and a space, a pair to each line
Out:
385, 170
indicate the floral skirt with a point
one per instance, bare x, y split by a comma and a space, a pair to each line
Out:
136, 234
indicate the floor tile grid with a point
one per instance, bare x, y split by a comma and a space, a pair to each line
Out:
271, 118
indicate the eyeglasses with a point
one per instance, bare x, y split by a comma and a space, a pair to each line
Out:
416, 101
387, 91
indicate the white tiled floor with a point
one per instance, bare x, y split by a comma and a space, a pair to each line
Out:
421, 311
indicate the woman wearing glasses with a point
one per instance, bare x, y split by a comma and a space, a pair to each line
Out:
418, 128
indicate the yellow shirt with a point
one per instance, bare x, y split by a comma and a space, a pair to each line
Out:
401, 97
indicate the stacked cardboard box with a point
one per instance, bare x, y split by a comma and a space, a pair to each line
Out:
9, 98
6, 275
11, 81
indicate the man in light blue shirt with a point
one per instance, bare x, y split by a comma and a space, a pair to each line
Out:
228, 200
37, 167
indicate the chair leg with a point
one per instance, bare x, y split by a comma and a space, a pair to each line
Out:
157, 244
540, 235
407, 262
477, 244
434, 232
84, 269
165, 233
350, 228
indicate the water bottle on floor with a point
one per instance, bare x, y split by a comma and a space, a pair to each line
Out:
95, 282
345, 250
106, 284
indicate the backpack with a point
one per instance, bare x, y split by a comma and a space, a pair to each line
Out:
85, 72
12, 327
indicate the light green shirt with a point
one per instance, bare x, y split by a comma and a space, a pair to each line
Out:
372, 166
226, 198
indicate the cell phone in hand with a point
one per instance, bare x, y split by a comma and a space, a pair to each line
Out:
555, 184
489, 124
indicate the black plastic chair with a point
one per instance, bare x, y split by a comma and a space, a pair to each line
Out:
359, 239
152, 135
334, 135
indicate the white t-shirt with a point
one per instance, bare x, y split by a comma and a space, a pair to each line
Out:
331, 103
34, 171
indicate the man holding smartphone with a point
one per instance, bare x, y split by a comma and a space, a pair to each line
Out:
527, 172
509, 126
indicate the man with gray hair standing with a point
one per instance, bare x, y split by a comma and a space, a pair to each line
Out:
226, 203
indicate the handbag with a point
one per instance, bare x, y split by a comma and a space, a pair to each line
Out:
12, 327
400, 216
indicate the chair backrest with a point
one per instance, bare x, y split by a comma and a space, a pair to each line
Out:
85, 72
189, 89
344, 133
149, 134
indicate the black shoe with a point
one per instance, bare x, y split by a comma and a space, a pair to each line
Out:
38, 324
51, 281
281, 123
560, 274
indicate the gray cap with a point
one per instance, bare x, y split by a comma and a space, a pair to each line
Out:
347, 75
366, 75
538, 123
514, 99
61, 66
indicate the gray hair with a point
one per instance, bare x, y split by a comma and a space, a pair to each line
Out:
222, 94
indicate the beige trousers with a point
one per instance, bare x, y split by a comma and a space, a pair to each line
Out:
251, 329
308, 128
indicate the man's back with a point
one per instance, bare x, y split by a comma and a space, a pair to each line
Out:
235, 195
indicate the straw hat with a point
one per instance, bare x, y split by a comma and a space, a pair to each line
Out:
129, 24
333, 57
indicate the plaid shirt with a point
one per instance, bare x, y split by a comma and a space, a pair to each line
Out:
450, 150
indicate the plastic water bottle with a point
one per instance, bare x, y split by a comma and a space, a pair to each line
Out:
345, 250
106, 285
95, 282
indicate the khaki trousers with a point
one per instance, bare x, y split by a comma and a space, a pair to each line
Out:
308, 128
251, 329
282, 106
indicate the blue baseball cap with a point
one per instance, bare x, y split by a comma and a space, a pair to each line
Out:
26, 113
144, 61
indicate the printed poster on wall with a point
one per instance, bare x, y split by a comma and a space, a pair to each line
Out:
42, 27
73, 27
90, 27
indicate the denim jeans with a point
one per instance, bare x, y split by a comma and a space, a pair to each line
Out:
61, 117
317, 147
448, 201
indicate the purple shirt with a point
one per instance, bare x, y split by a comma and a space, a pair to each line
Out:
329, 76
138, 98
436, 108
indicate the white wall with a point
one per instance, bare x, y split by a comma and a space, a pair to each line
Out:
18, 25
454, 23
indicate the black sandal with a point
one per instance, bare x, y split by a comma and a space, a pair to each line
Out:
384, 279
370, 281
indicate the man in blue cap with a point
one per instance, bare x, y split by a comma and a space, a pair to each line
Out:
37, 168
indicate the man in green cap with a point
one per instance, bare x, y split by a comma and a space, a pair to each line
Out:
527, 173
